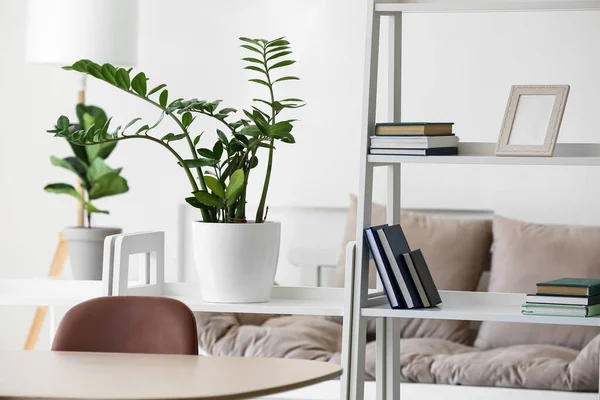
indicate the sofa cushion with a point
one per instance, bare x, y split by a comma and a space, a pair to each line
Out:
422, 360
457, 251
525, 253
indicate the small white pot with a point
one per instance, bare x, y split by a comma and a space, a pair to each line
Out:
236, 263
86, 246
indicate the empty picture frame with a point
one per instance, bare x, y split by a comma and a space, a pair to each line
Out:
532, 120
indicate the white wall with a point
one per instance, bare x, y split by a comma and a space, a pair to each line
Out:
457, 67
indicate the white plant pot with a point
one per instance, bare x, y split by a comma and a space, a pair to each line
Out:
86, 247
236, 263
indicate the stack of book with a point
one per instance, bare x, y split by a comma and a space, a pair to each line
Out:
414, 139
566, 297
404, 274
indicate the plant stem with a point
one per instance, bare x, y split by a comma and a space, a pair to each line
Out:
260, 212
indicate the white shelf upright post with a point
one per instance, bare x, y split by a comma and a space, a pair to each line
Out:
353, 383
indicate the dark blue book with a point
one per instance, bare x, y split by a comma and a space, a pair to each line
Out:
389, 288
394, 246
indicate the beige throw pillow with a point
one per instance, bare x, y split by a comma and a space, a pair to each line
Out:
456, 250
524, 254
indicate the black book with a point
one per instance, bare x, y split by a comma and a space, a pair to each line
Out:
425, 276
389, 288
394, 244
440, 151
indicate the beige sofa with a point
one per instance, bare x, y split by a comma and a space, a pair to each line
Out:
459, 252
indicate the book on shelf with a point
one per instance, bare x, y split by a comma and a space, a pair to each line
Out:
570, 300
404, 274
560, 310
442, 151
414, 128
394, 244
412, 142
375, 248
570, 286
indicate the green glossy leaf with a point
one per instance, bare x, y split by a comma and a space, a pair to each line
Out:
163, 98
253, 162
197, 140
281, 64
130, 123
207, 153
102, 150
287, 78
186, 119
108, 185
99, 169
122, 78
248, 40
260, 81
72, 164
272, 50
236, 181
213, 184
255, 68
218, 150
251, 131
156, 89
222, 137
192, 201
208, 199
92, 209
63, 123
278, 55
253, 60
63, 188
201, 162
277, 43
251, 48
142, 129
109, 72
138, 84
95, 70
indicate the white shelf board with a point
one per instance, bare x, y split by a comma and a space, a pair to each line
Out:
284, 300
443, 6
477, 306
574, 154
47, 292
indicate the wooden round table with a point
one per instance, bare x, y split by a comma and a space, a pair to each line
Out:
70, 375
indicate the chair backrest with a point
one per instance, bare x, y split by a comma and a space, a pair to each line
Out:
128, 324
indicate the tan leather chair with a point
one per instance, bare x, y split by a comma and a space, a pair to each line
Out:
128, 324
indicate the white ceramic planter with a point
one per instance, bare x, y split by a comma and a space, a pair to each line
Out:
236, 263
86, 246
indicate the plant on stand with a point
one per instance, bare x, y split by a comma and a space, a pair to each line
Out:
218, 174
97, 180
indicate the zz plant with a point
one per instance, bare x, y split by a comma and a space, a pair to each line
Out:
219, 174
98, 180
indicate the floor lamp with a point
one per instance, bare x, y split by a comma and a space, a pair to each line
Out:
60, 32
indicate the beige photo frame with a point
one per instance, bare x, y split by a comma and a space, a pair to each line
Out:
532, 120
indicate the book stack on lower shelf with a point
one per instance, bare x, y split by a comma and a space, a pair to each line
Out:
414, 139
404, 274
566, 297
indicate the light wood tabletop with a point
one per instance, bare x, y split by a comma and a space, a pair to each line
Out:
110, 376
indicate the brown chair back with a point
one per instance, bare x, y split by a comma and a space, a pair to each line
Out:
128, 324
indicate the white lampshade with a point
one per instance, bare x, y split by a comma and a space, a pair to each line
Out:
64, 31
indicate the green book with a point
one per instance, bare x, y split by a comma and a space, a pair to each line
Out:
560, 310
414, 128
570, 286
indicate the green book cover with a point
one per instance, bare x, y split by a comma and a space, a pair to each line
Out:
572, 282
560, 310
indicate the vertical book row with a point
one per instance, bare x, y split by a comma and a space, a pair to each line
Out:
404, 274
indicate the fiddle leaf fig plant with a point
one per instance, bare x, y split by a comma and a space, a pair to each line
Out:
218, 174
97, 179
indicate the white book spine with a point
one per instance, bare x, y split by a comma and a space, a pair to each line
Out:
385, 279
416, 280
399, 277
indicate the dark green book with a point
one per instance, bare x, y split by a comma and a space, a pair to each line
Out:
570, 286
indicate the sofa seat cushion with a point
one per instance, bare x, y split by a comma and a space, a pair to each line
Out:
422, 360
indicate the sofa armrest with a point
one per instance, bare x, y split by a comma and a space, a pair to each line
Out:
317, 265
